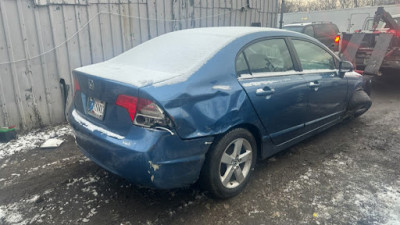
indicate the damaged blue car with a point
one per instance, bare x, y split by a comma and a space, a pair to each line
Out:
205, 104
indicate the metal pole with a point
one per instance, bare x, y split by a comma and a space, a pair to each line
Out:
282, 9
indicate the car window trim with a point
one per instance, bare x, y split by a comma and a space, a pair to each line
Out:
286, 73
247, 62
325, 48
285, 38
312, 27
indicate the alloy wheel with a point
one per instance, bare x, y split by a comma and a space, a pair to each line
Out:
235, 163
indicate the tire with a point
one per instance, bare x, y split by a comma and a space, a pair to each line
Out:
359, 103
229, 164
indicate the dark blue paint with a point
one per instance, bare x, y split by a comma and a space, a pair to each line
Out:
287, 112
149, 157
328, 100
287, 104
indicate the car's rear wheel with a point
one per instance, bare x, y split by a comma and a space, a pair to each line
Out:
360, 103
229, 164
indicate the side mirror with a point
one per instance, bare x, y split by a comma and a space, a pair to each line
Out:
344, 67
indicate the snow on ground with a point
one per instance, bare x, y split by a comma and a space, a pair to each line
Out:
360, 191
33, 140
30, 211
11, 213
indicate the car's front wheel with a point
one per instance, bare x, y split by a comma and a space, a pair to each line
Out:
229, 164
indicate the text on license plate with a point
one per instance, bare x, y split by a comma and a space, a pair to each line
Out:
96, 108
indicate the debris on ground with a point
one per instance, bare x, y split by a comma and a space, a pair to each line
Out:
7, 134
52, 143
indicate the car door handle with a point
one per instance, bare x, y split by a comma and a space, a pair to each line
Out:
313, 84
265, 91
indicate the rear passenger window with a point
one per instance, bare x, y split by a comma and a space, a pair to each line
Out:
266, 56
313, 57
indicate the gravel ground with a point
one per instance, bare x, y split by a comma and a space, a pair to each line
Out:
348, 174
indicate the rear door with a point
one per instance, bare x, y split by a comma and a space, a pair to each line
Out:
278, 93
326, 90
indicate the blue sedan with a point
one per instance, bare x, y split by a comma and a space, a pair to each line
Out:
205, 104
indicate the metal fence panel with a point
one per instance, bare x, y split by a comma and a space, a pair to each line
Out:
41, 41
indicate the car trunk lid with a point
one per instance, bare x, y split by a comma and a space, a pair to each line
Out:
95, 101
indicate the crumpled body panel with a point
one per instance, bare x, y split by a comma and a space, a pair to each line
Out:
210, 102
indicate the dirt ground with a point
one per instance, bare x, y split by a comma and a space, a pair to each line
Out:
349, 174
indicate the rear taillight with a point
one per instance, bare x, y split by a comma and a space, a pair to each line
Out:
76, 85
144, 112
129, 103
337, 39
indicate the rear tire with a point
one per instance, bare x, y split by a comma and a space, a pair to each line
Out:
359, 103
229, 164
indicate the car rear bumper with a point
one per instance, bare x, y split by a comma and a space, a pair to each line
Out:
152, 158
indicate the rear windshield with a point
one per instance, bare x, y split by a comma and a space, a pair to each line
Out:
323, 30
294, 28
176, 52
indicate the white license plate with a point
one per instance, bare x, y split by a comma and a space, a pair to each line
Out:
96, 108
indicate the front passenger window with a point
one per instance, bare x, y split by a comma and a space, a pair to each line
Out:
313, 57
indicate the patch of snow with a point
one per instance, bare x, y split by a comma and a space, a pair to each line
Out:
90, 180
221, 87
360, 195
48, 191
32, 140
84, 180
33, 199
89, 189
172, 55
11, 215
90, 126
56, 164
255, 211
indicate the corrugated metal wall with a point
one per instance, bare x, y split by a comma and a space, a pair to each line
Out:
41, 41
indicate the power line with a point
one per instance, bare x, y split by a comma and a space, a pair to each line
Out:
110, 13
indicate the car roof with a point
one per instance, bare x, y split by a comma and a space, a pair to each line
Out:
175, 54
229, 32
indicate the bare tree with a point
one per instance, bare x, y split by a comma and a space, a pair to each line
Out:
315, 5
344, 4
